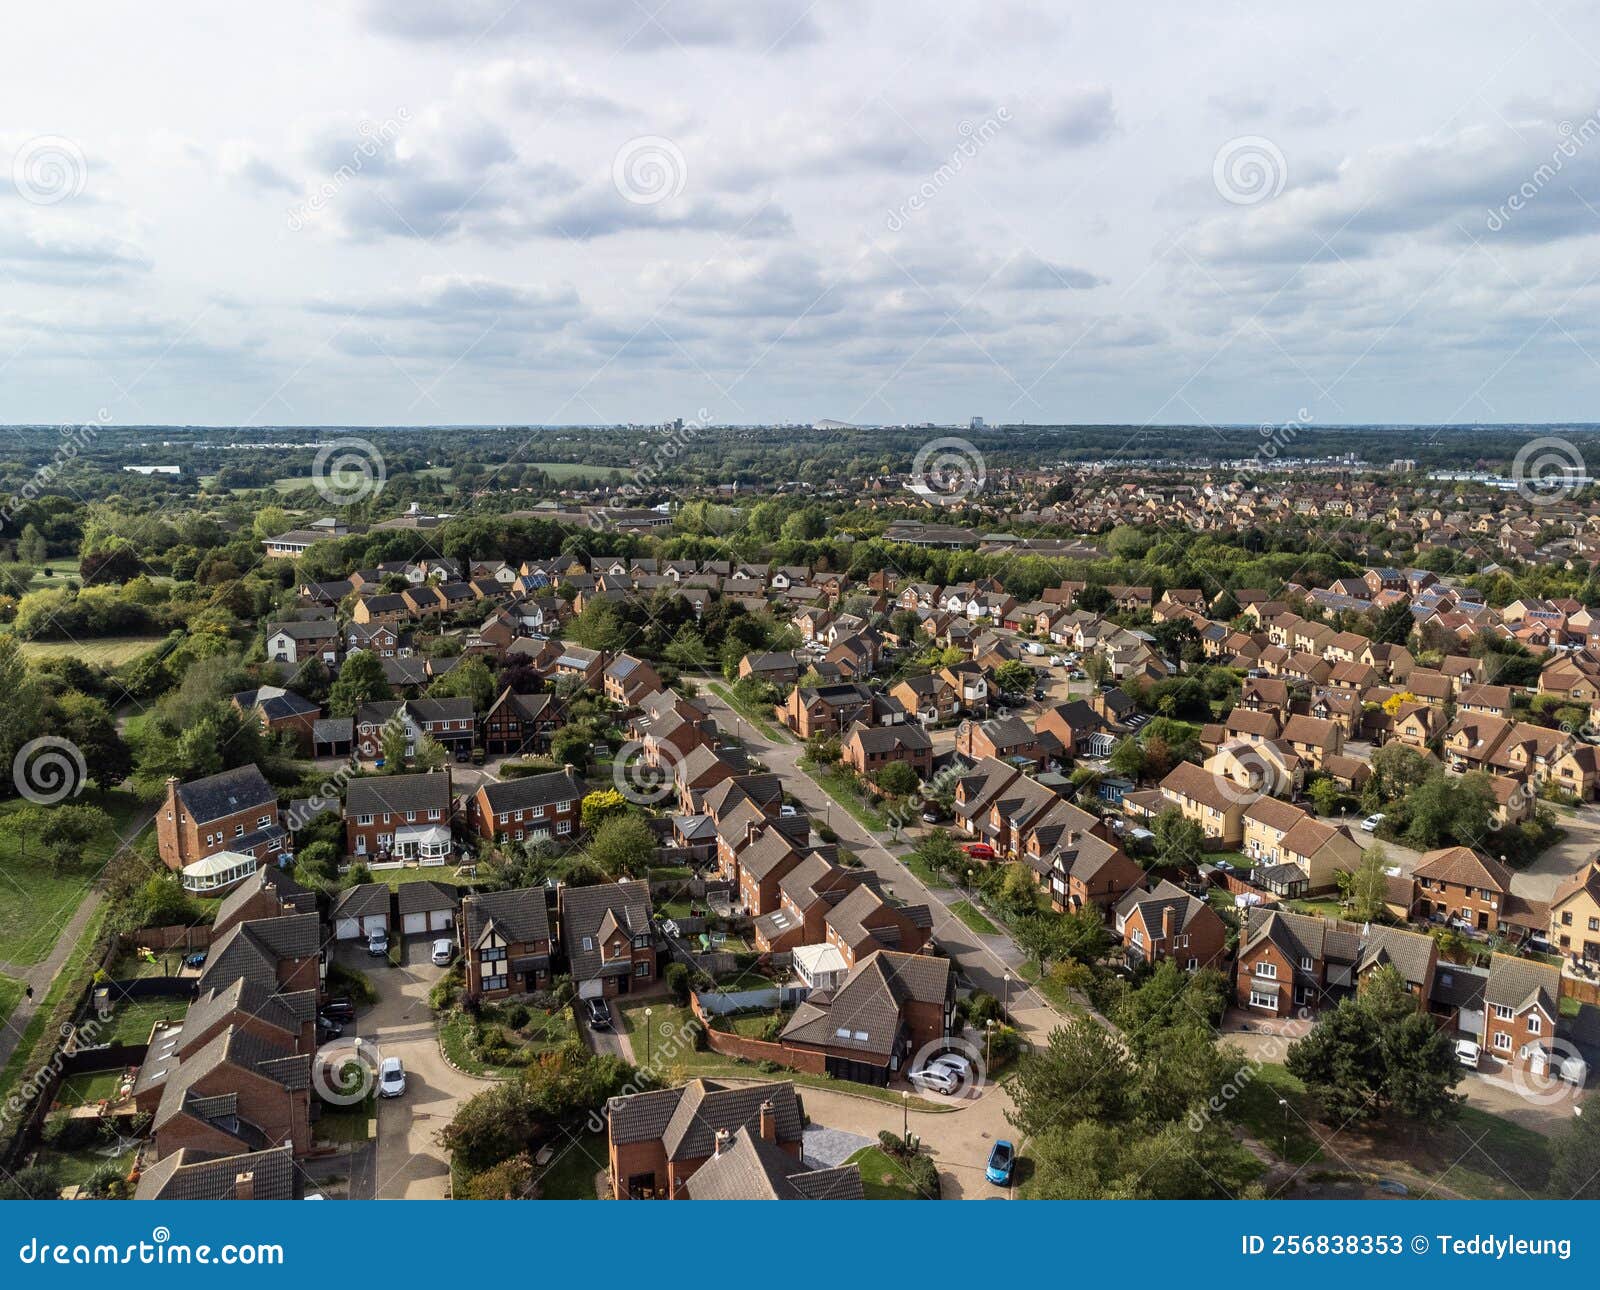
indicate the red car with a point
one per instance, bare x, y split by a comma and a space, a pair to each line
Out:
979, 850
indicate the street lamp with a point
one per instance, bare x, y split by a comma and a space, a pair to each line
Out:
988, 1034
1005, 1009
647, 1037
905, 1115
1284, 1103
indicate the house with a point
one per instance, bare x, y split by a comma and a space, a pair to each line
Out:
399, 817
1461, 887
282, 953
427, 908
805, 895
271, 892
362, 911
1006, 739
1166, 922
928, 699
280, 712
890, 1007
778, 668
506, 942
607, 936
537, 808
234, 1094
658, 1140
825, 709
864, 922
301, 641
627, 680
450, 722
519, 724
1083, 870
236, 811
868, 749
1575, 915
1288, 961
750, 1167
1521, 1007
1213, 802
193, 1174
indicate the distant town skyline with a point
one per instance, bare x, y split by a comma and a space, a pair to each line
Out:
404, 213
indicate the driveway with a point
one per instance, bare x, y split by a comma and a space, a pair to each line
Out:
410, 1162
1541, 878
607, 1043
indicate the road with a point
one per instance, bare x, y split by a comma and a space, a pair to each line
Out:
410, 1162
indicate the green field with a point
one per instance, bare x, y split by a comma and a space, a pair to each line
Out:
561, 471
973, 917
882, 1177
109, 651
10, 996
36, 900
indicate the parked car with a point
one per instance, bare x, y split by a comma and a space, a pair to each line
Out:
788, 812
328, 1028
598, 1012
1468, 1054
391, 1077
340, 1008
932, 813
377, 944
443, 952
939, 1079
1370, 824
1001, 1158
979, 850
956, 1064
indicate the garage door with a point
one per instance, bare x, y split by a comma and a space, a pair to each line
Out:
415, 924
347, 929
441, 920
376, 923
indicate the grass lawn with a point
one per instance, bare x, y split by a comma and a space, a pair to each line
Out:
541, 1035
882, 1178
763, 723
836, 783
132, 1019
570, 1175
444, 875
33, 1037
973, 917
91, 1086
344, 1124
111, 651
562, 471
35, 900
74, 1168
923, 872
1479, 1155
10, 996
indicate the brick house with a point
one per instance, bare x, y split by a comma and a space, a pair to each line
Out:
280, 712
825, 709
805, 895
863, 923
1521, 1006
1575, 915
506, 942
1166, 922
1289, 960
1458, 885
1085, 870
283, 953
608, 938
658, 1140
299, 641
451, 722
534, 808
868, 749
402, 817
236, 810
627, 680
235, 1093
519, 724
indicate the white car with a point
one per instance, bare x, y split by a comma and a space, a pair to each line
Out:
938, 1078
391, 1078
1370, 824
443, 952
1468, 1054
956, 1064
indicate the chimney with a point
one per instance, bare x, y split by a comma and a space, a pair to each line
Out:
769, 1122
1166, 923
244, 1186
722, 1141
751, 828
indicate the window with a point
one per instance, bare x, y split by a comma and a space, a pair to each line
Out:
641, 969
1566, 918
263, 822
1502, 1041
588, 942
1192, 964
1267, 970
501, 817
1305, 965
641, 942
1263, 1001
495, 955
238, 830
1502, 1012
1533, 1023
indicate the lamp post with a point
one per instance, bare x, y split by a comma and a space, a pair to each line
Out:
1284, 1103
988, 1034
1005, 1007
905, 1115
647, 1037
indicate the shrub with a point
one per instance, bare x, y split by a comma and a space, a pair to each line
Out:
768, 1067
518, 1016
981, 1008
677, 978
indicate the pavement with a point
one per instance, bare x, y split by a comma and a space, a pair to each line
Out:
41, 975
410, 1162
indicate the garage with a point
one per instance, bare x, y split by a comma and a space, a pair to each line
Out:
428, 908
361, 911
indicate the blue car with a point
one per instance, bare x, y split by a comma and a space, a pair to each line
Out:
1001, 1158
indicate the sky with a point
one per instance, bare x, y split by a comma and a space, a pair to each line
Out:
415, 212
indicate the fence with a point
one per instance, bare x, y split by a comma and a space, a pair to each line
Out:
174, 936
756, 1050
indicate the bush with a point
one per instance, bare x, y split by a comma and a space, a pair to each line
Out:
62, 1132
768, 1067
982, 1007
677, 979
518, 1016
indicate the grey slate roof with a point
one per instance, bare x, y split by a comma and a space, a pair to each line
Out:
425, 895
520, 914
187, 1174
363, 900
216, 796
751, 1168
584, 909
533, 790
397, 794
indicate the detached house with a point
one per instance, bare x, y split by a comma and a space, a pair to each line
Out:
506, 942
1166, 922
538, 808
399, 817
235, 811
608, 938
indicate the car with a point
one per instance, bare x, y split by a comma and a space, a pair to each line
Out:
1001, 1157
443, 952
1038, 694
979, 850
1370, 824
328, 1028
340, 1008
1468, 1054
391, 1077
956, 1064
939, 1079
463, 755
1076, 675
788, 812
377, 944
931, 814
598, 1013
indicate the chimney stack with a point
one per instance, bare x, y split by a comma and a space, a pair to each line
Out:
721, 1141
244, 1186
1166, 923
769, 1122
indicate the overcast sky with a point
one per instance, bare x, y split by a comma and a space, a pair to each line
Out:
398, 211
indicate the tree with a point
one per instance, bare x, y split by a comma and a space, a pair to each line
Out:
88, 723
1575, 1165
1448, 808
1083, 1073
1097, 668
1013, 676
430, 754
61, 833
394, 743
1179, 841
31, 546
469, 679
1368, 886
570, 747
1127, 759
622, 847
1324, 795
1393, 623
940, 853
898, 779
360, 680
600, 806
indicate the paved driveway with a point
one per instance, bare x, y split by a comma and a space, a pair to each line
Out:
410, 1162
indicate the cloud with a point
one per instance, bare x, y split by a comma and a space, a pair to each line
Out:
1075, 120
54, 254
241, 162
1027, 272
